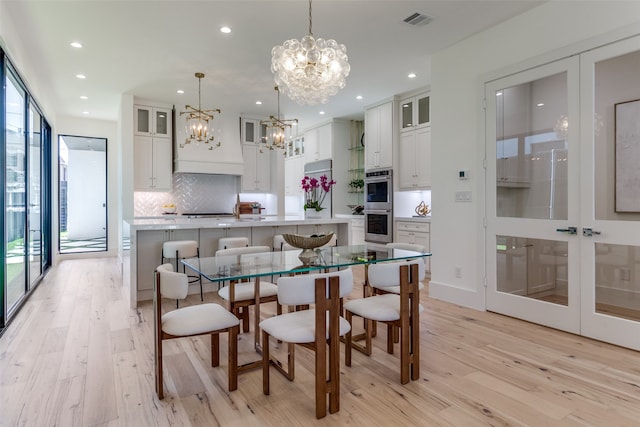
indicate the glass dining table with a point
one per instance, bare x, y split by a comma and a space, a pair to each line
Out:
236, 268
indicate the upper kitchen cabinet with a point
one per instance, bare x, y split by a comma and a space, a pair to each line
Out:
253, 132
318, 143
152, 121
414, 152
415, 112
378, 136
152, 148
257, 168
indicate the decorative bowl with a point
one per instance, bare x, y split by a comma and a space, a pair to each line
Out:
169, 209
307, 244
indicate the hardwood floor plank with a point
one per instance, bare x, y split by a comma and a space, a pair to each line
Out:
76, 355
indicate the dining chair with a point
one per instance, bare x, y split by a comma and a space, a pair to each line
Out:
241, 295
181, 249
396, 310
313, 328
233, 242
202, 319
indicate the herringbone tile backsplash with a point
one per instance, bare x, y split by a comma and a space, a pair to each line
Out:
191, 193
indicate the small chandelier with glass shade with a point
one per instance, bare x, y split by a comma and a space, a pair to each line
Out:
310, 70
198, 125
279, 131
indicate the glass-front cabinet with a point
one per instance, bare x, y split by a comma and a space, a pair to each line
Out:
415, 112
152, 121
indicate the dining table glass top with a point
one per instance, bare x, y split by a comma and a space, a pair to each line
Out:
245, 266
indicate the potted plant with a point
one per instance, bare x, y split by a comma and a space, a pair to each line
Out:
357, 184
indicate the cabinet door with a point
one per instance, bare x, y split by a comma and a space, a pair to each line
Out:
209, 240
142, 120
386, 136
372, 138
143, 163
423, 114
408, 160
161, 122
310, 146
293, 174
324, 141
263, 170
162, 164
250, 176
406, 114
149, 256
423, 157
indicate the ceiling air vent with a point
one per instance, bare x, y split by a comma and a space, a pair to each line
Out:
418, 19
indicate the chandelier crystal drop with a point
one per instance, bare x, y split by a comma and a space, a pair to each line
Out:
310, 70
279, 131
197, 127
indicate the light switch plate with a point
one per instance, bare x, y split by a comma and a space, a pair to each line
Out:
463, 196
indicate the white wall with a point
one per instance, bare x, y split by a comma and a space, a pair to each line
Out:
550, 31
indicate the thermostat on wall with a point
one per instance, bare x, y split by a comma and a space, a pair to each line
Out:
463, 174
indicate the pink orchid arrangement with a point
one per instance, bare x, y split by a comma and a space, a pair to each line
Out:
315, 191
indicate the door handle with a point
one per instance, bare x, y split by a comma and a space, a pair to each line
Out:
588, 232
568, 230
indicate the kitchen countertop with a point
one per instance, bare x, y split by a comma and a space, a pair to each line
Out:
413, 218
180, 222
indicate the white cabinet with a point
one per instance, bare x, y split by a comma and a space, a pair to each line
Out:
416, 233
252, 131
415, 159
378, 136
152, 148
152, 121
152, 159
357, 231
513, 171
149, 252
415, 112
257, 169
318, 143
293, 174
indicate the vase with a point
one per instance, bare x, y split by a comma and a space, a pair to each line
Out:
311, 213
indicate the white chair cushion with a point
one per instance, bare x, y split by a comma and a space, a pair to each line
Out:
298, 327
381, 308
172, 285
185, 248
198, 319
245, 290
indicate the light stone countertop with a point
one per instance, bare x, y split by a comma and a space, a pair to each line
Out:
180, 222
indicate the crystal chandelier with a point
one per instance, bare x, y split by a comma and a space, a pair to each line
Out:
278, 130
311, 70
197, 125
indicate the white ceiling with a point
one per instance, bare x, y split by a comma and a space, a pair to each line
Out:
152, 48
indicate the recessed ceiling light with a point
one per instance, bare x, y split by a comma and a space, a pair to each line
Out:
84, 97
540, 104
225, 30
498, 93
359, 97
322, 113
81, 76
412, 75
180, 91
77, 45
258, 102
85, 112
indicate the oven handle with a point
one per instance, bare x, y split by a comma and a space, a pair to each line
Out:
377, 211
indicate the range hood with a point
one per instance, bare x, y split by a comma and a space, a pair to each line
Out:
207, 158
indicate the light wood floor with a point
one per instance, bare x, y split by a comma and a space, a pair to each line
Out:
77, 356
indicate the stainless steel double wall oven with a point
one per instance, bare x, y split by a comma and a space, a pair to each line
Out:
378, 206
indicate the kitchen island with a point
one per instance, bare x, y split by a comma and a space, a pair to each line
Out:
148, 235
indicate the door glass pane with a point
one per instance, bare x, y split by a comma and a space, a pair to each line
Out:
143, 120
407, 114
423, 110
618, 280
532, 268
617, 80
15, 193
161, 123
531, 149
34, 210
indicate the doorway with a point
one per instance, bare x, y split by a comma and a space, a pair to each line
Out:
560, 251
83, 194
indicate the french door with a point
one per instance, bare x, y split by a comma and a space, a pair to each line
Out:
563, 222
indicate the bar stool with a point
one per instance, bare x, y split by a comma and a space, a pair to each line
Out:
232, 242
279, 244
181, 249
